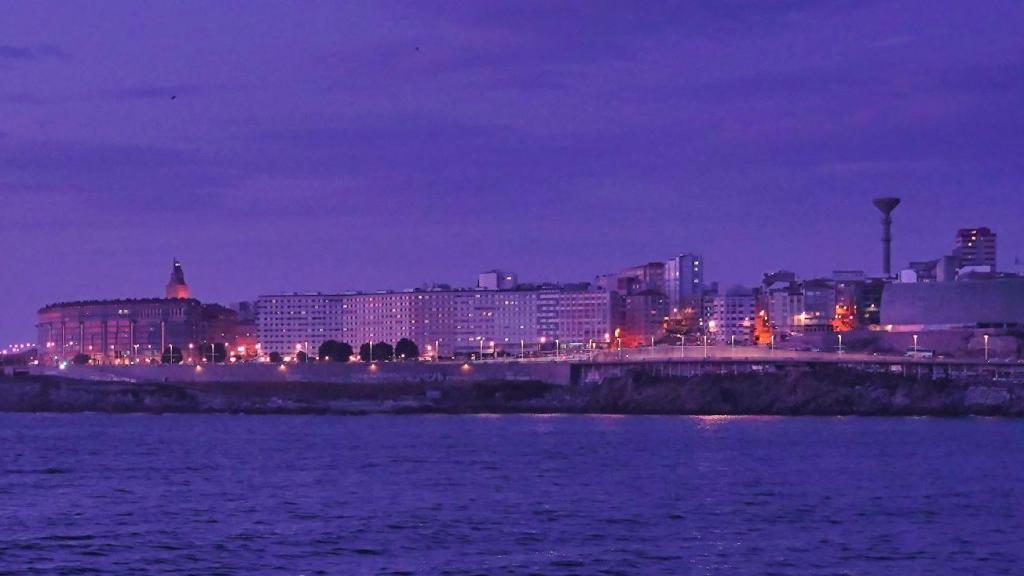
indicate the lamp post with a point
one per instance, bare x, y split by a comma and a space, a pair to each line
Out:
985, 338
522, 349
558, 349
481, 338
839, 350
915, 345
437, 350
705, 346
682, 345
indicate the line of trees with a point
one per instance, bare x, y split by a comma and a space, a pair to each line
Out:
334, 351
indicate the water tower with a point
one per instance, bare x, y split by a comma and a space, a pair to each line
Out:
886, 206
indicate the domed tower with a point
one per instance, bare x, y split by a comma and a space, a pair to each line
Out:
176, 287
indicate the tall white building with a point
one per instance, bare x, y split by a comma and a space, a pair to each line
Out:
287, 323
455, 321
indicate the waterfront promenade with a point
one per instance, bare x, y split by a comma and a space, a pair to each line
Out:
563, 369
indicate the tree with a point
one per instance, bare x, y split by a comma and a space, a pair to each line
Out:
406, 348
214, 352
171, 355
381, 351
326, 349
335, 351
275, 357
80, 359
301, 357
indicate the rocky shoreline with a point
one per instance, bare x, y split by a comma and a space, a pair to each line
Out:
834, 392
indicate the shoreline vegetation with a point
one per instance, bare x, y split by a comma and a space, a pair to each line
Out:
835, 392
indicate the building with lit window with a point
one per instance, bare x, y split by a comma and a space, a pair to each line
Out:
290, 323
975, 247
445, 322
684, 280
136, 330
732, 317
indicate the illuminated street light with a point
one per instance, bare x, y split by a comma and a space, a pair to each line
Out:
985, 338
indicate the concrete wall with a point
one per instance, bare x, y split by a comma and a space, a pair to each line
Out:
954, 304
382, 372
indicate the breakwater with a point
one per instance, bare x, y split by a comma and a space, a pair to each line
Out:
825, 391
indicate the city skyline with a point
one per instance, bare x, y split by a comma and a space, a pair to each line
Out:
392, 146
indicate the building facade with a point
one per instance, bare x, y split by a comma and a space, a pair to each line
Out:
289, 323
136, 330
442, 322
684, 280
733, 315
975, 247
982, 304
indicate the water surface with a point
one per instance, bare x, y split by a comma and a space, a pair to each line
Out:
203, 494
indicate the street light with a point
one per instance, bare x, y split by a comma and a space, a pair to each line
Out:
985, 338
915, 345
705, 345
522, 349
840, 349
682, 345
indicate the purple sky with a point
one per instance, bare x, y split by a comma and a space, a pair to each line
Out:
384, 145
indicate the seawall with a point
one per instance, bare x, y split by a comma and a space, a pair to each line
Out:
555, 373
831, 391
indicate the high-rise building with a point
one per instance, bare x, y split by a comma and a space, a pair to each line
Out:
684, 280
455, 321
287, 323
650, 276
976, 247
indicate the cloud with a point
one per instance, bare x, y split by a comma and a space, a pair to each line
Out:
38, 52
21, 98
136, 176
